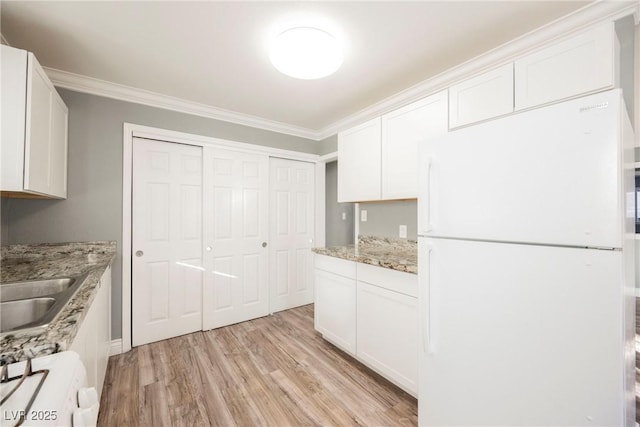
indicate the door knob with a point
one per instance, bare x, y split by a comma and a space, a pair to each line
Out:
139, 253
264, 244
208, 248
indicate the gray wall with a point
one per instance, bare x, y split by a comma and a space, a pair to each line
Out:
93, 209
328, 145
338, 232
385, 218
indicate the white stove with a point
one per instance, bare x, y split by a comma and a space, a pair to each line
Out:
54, 394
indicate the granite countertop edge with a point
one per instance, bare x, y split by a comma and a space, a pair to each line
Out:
395, 254
41, 261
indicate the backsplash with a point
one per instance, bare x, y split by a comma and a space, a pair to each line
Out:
4, 221
385, 218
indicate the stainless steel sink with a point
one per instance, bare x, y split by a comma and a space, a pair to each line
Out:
34, 288
35, 303
17, 314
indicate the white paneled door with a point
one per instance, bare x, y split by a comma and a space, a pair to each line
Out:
291, 198
236, 190
167, 240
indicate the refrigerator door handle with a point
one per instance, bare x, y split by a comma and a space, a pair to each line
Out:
426, 329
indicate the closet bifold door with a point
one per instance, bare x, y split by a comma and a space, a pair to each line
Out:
235, 231
167, 272
292, 222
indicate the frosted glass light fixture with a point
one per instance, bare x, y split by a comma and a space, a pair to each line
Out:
306, 53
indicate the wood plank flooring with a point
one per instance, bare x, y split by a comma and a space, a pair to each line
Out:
273, 371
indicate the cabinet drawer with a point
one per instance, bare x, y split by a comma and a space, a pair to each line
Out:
335, 265
397, 281
581, 64
482, 97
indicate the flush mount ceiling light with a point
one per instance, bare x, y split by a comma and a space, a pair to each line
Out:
306, 53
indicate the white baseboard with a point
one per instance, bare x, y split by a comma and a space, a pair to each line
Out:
116, 347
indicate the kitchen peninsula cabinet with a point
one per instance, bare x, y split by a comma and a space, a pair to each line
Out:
93, 339
370, 312
34, 130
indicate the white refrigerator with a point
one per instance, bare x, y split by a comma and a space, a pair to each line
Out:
526, 227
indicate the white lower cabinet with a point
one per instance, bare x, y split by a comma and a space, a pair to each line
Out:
387, 325
335, 301
371, 313
92, 342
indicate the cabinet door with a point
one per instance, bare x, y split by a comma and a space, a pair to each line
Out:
388, 334
85, 343
359, 163
335, 309
58, 158
482, 97
45, 166
13, 75
38, 150
402, 131
103, 305
581, 64
93, 339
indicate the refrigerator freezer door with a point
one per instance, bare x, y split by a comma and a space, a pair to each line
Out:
520, 335
548, 176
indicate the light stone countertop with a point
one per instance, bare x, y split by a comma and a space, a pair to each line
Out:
44, 261
396, 254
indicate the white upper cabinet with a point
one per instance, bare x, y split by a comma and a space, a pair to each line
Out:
482, 97
359, 163
34, 129
581, 64
402, 131
377, 160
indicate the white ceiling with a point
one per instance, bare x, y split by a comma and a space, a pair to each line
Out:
215, 53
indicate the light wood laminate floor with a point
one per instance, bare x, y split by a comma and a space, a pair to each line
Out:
273, 371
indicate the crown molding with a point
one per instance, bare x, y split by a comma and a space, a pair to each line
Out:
567, 26
330, 157
141, 131
93, 86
